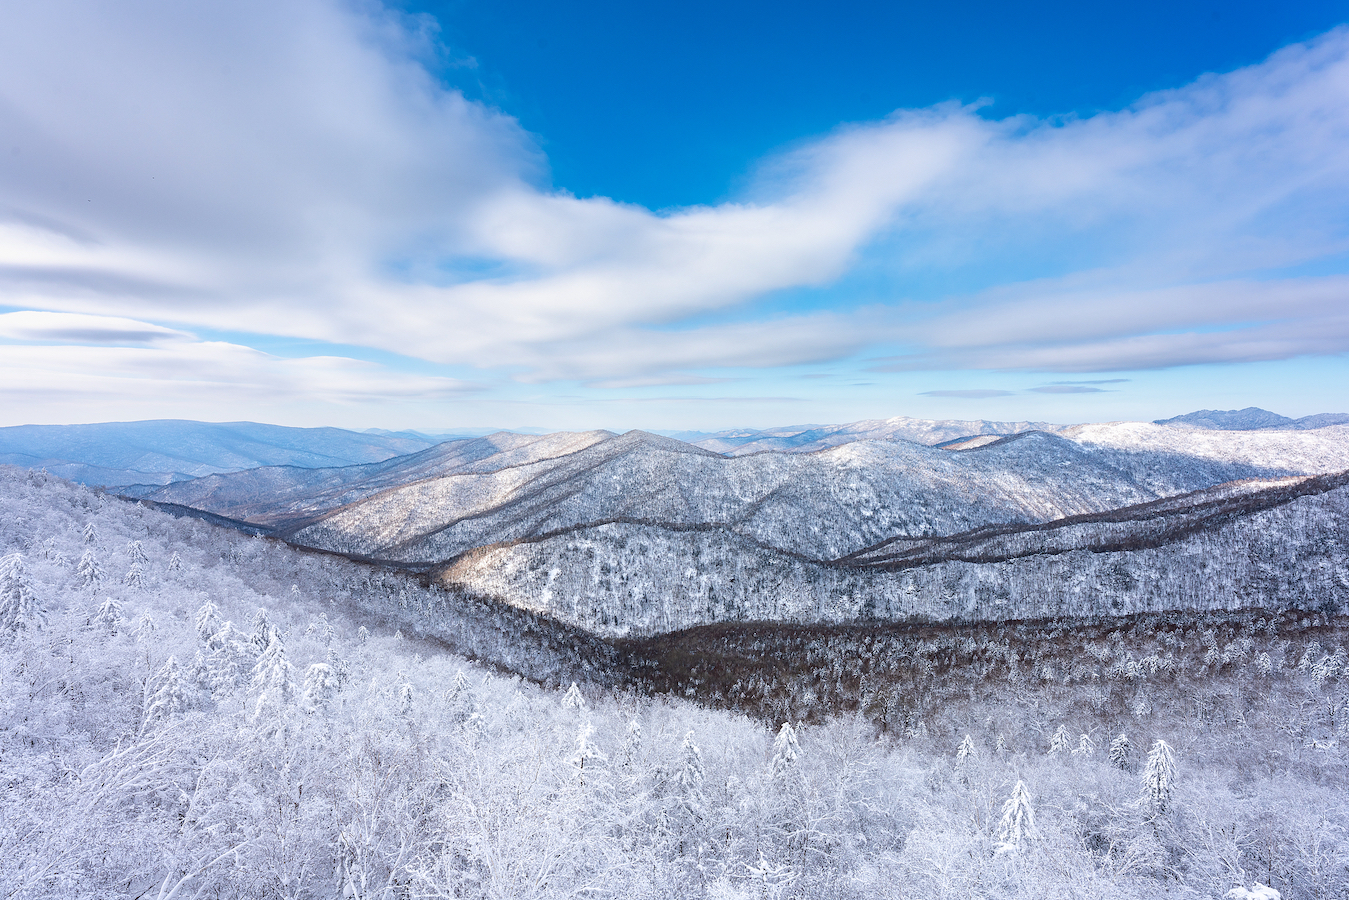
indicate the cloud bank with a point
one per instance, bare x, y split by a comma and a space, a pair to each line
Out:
291, 168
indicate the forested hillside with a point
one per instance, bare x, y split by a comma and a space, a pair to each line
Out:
637, 534
186, 711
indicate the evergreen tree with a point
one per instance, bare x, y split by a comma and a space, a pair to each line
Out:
1159, 776
20, 609
109, 616
136, 554
175, 562
231, 655
573, 699
135, 576
689, 775
786, 752
90, 572
145, 628
1018, 818
90, 533
587, 756
321, 685
273, 676
1120, 751
262, 629
1059, 743
1084, 746
966, 749
207, 621
170, 695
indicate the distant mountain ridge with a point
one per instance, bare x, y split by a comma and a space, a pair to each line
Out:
161, 451
633, 534
1252, 418
810, 438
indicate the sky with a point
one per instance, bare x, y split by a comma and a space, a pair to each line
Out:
670, 216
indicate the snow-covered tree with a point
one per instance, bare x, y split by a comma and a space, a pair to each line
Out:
786, 752
145, 628
1085, 746
230, 656
20, 608
273, 677
572, 699
109, 615
169, 693
321, 686
1018, 818
135, 554
1060, 742
632, 746
1120, 752
1264, 665
207, 621
135, 576
90, 532
1159, 776
262, 629
90, 572
586, 756
965, 750
689, 775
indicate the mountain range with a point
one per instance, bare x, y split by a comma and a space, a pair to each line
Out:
634, 534
166, 450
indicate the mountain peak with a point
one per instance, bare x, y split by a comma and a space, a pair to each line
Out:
1252, 418
1248, 419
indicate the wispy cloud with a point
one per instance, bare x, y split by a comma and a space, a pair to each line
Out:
968, 395
291, 169
1068, 389
1098, 381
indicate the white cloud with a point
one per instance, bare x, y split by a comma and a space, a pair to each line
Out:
31, 325
290, 169
147, 369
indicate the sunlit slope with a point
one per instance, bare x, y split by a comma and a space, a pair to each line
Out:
820, 505
277, 495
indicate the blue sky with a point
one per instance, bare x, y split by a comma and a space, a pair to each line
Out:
676, 216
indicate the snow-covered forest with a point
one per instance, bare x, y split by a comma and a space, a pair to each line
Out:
186, 711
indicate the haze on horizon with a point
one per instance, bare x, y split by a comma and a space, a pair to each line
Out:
432, 216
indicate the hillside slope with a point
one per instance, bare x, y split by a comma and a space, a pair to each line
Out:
810, 438
280, 495
820, 505
1277, 546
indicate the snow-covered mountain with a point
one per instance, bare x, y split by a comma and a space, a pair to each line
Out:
284, 495
167, 450
190, 712
809, 438
636, 533
1250, 419
631, 580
